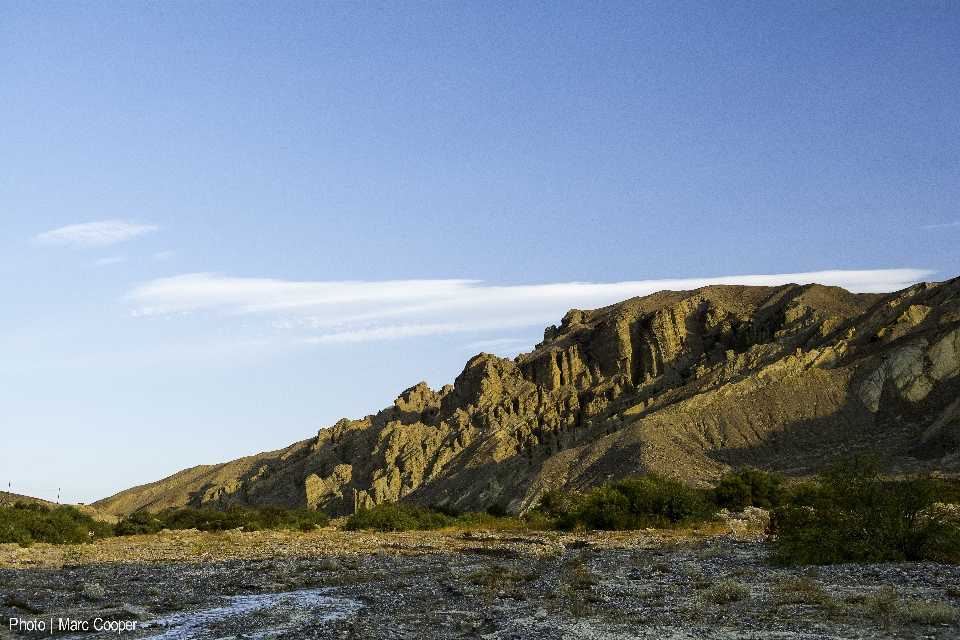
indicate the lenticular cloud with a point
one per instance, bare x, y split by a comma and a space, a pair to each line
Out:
346, 311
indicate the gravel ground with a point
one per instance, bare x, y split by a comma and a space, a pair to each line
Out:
463, 584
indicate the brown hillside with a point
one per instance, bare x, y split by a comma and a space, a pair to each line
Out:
685, 383
8, 499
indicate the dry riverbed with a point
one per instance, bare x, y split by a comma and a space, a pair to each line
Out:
462, 584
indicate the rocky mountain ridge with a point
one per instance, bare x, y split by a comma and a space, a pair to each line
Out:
689, 384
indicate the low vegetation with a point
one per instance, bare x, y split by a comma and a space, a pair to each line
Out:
267, 517
390, 516
725, 592
632, 503
849, 514
750, 488
931, 612
800, 591
26, 523
398, 517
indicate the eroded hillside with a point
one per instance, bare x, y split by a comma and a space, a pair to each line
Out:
687, 384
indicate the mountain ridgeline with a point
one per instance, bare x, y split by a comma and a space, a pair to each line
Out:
688, 384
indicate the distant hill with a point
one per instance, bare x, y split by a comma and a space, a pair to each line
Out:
690, 384
8, 499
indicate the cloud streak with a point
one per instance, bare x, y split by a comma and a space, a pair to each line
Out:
945, 225
94, 233
102, 262
345, 311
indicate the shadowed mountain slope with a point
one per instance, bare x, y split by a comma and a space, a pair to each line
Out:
684, 383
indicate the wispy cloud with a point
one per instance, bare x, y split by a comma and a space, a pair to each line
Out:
503, 345
345, 311
102, 262
945, 225
94, 233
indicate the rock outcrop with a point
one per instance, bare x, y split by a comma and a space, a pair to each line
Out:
685, 383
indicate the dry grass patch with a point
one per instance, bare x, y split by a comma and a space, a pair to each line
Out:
884, 606
930, 612
725, 592
500, 580
883, 603
800, 591
579, 574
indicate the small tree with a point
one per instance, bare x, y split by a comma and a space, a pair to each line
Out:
850, 515
750, 488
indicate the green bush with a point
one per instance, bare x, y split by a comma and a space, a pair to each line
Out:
950, 489
267, 517
632, 503
557, 505
849, 514
137, 523
390, 516
750, 488
26, 523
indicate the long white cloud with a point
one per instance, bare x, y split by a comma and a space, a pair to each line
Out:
94, 233
345, 311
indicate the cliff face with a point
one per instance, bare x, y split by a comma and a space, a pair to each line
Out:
688, 384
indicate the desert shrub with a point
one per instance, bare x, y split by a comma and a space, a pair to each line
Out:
206, 519
305, 519
725, 592
579, 576
498, 576
137, 523
800, 591
750, 488
390, 516
14, 525
557, 505
632, 503
884, 603
850, 515
485, 520
26, 523
930, 612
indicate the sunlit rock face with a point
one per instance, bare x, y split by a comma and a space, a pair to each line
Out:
683, 383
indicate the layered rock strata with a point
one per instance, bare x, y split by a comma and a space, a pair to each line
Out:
689, 384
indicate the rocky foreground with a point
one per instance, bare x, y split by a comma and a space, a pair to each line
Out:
466, 584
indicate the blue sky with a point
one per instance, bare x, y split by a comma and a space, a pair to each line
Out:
224, 226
